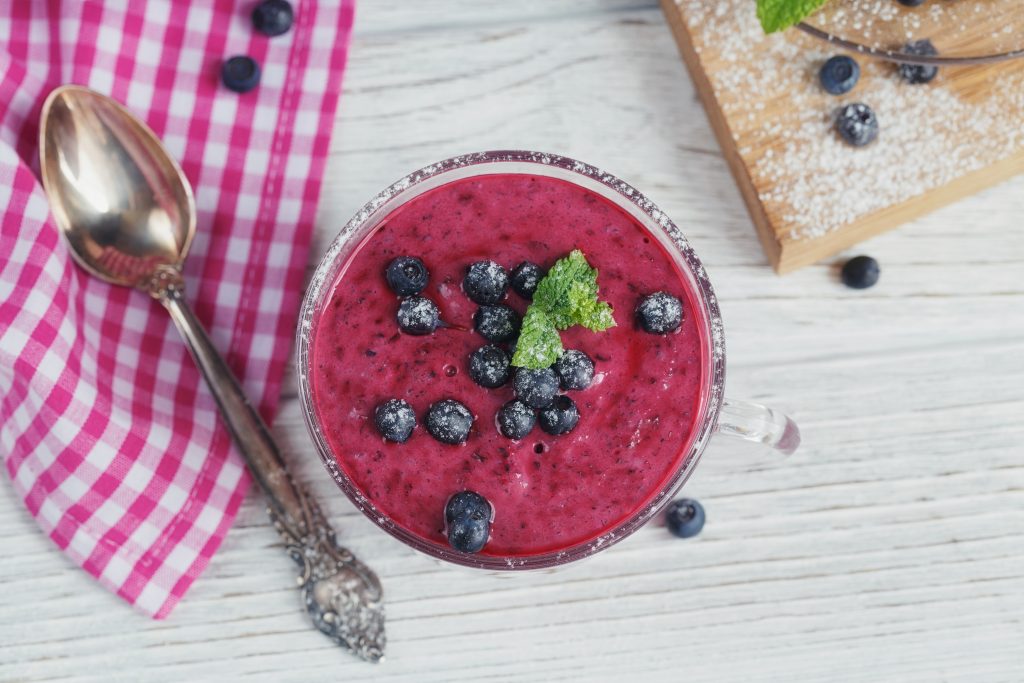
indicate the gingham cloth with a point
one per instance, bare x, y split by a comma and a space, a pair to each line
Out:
106, 429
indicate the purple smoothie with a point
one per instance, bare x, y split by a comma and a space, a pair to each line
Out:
549, 493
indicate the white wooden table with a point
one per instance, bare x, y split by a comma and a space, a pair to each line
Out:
891, 548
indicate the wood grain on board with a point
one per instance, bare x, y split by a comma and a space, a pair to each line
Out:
741, 133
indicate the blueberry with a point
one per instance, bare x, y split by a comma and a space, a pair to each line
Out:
272, 17
406, 275
516, 419
575, 370
684, 517
468, 518
911, 3
240, 73
496, 323
560, 417
860, 272
839, 74
467, 505
395, 420
919, 73
485, 283
489, 366
525, 278
449, 421
535, 388
856, 124
660, 313
417, 315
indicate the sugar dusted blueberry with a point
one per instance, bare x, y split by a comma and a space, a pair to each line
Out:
467, 517
684, 517
560, 417
516, 419
535, 388
468, 535
485, 283
449, 421
917, 74
575, 370
417, 315
467, 505
406, 275
856, 124
395, 419
497, 323
525, 278
489, 366
660, 313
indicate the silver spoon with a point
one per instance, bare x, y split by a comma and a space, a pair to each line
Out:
128, 214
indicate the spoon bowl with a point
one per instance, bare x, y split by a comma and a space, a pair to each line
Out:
121, 201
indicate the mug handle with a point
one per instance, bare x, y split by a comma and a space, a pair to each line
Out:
760, 424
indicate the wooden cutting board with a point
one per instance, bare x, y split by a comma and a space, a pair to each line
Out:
809, 194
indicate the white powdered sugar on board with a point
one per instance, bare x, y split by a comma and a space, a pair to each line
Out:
811, 182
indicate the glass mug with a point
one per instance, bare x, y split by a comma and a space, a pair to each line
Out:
748, 421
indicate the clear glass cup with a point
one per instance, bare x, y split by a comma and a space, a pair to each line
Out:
748, 421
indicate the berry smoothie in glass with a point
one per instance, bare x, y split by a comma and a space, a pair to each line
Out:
432, 390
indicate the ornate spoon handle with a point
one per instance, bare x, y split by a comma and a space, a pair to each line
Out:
342, 595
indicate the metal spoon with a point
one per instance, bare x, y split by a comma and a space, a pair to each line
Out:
128, 214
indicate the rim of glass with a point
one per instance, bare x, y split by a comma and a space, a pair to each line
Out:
589, 177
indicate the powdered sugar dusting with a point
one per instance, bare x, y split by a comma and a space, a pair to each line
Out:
811, 182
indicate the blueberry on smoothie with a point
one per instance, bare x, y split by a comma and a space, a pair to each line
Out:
684, 517
449, 421
497, 323
467, 517
916, 74
857, 124
417, 315
535, 388
516, 420
660, 313
489, 366
406, 275
575, 370
560, 417
525, 278
485, 283
395, 420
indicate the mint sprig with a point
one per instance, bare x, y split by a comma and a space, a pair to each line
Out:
566, 296
776, 15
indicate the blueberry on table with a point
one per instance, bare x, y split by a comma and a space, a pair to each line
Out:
497, 323
489, 366
485, 283
860, 272
417, 315
525, 278
684, 517
273, 17
395, 420
917, 74
406, 275
240, 73
839, 74
560, 417
535, 388
516, 420
467, 505
449, 421
856, 124
575, 370
911, 3
660, 313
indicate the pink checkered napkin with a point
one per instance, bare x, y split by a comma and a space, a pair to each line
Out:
105, 428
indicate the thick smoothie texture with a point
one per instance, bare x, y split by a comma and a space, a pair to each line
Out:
549, 493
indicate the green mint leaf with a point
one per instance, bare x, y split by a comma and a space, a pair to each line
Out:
552, 293
539, 344
776, 15
587, 310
